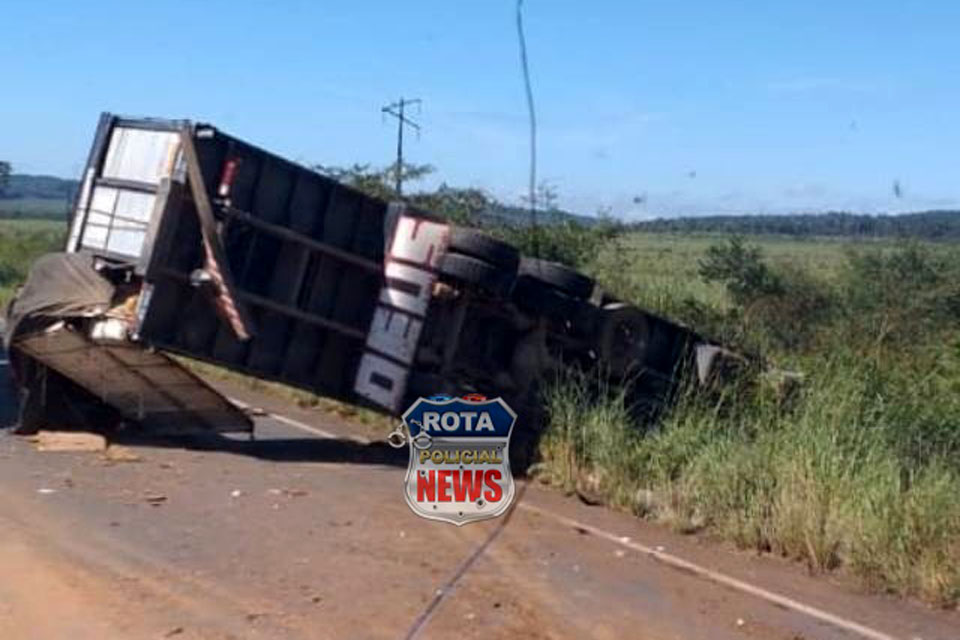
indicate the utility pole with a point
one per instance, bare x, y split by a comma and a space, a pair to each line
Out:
397, 111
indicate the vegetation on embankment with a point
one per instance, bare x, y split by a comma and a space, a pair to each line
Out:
859, 470
21, 242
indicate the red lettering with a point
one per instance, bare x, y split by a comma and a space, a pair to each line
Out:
426, 486
443, 485
465, 483
492, 480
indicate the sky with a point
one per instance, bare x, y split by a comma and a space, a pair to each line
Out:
645, 108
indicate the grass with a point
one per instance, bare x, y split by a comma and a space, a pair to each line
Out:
298, 397
21, 242
26, 208
858, 472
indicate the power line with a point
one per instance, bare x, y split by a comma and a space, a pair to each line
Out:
525, 68
397, 111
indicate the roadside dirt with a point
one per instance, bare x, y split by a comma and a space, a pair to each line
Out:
297, 535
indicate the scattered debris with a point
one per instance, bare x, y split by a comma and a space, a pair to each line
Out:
154, 499
116, 453
173, 632
660, 548
740, 622
70, 441
289, 493
46, 491
620, 553
236, 493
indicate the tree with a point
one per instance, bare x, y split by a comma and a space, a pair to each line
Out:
546, 195
5, 170
378, 183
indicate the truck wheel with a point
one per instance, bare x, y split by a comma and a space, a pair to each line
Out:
623, 338
479, 245
534, 297
423, 385
572, 283
477, 273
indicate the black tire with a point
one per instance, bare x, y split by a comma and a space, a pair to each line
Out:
535, 297
476, 273
423, 385
565, 279
479, 245
623, 339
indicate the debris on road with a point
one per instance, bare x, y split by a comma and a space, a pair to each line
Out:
289, 493
116, 453
154, 499
69, 441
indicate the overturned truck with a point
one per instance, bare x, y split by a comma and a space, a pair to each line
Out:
186, 240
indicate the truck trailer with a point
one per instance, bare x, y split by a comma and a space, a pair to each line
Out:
186, 240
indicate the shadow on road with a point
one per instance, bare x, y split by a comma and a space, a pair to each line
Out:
279, 449
332, 450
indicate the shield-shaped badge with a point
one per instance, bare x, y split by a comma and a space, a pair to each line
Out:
459, 469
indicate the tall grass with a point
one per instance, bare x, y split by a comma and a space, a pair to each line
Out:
859, 471
21, 242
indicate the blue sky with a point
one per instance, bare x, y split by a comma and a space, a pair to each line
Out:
699, 106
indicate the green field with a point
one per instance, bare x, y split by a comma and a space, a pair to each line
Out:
21, 242
33, 208
856, 469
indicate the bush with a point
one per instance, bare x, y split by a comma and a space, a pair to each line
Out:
825, 481
772, 309
902, 297
566, 242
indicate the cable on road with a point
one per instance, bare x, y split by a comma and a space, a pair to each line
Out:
424, 618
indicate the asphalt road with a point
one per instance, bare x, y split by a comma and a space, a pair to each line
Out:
304, 533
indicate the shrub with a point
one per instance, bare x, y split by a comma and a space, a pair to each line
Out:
566, 242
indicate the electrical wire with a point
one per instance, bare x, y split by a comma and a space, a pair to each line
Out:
525, 68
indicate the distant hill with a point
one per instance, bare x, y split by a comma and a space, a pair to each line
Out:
22, 186
501, 214
930, 225
29, 196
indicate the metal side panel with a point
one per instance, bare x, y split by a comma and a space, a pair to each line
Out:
144, 386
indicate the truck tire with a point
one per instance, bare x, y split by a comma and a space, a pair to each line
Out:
479, 245
476, 273
533, 296
565, 279
423, 385
623, 339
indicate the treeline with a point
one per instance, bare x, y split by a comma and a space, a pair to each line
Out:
22, 186
931, 225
